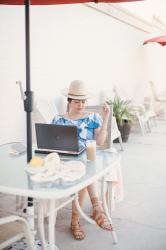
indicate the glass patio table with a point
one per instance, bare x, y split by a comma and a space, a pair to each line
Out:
16, 181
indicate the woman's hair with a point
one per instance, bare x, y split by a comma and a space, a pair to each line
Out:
69, 100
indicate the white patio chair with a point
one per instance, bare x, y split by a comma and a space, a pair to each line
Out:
141, 114
27, 234
112, 130
112, 134
115, 133
144, 116
159, 101
143, 122
44, 112
45, 109
150, 111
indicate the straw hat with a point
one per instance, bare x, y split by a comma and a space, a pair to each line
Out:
77, 90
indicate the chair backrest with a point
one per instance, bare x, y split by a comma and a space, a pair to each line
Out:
46, 109
154, 92
44, 113
99, 109
115, 133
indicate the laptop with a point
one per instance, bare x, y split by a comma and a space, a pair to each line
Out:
62, 139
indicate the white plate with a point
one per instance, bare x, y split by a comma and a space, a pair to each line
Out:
34, 170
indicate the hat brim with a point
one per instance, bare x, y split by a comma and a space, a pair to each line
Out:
76, 97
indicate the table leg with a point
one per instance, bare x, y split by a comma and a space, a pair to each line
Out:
41, 224
51, 214
51, 225
109, 196
105, 206
30, 217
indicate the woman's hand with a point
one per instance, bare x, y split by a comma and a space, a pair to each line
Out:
101, 133
106, 111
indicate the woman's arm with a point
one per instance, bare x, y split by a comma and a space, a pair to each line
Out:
101, 132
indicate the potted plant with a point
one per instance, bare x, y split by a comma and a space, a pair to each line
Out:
123, 112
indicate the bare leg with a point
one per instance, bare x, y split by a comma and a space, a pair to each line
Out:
77, 231
98, 212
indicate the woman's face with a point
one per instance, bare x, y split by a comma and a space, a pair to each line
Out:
77, 105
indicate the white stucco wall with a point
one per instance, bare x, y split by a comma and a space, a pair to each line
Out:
67, 42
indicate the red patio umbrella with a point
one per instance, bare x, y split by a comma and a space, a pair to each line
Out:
159, 39
49, 2
28, 102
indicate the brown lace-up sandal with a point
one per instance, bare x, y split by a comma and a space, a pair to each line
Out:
77, 232
99, 215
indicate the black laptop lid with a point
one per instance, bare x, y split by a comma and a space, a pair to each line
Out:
57, 137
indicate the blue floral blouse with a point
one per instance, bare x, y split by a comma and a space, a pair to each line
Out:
85, 125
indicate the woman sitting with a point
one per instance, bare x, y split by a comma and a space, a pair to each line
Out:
90, 126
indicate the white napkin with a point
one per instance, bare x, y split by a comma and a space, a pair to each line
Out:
52, 163
73, 170
68, 171
50, 167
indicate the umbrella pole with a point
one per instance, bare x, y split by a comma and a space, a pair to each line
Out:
28, 102
28, 105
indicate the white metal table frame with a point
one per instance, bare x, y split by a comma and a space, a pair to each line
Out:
13, 167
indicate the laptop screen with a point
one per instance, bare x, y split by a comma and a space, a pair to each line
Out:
57, 137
